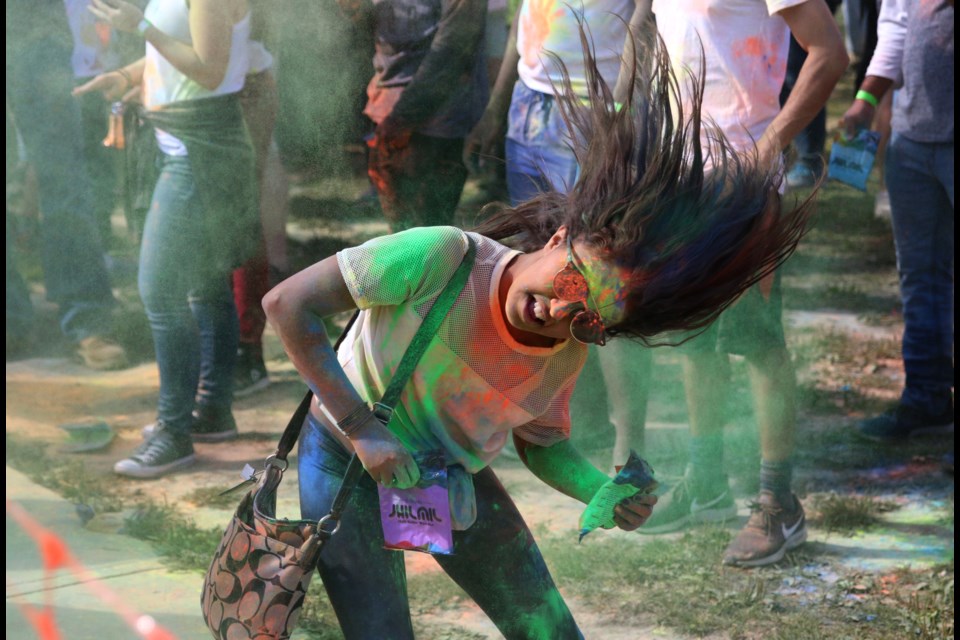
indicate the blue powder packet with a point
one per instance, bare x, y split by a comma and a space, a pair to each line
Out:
851, 160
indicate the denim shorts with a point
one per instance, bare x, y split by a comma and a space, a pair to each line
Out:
538, 149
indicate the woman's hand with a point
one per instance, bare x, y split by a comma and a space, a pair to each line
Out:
384, 457
120, 15
633, 512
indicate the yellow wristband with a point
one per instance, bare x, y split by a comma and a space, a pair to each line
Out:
867, 97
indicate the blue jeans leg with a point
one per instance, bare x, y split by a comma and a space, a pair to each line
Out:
48, 119
366, 584
920, 181
191, 311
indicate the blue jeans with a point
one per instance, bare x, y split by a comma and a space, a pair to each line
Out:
496, 561
539, 157
48, 118
920, 181
189, 306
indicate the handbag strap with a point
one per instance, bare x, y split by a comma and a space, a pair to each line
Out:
428, 329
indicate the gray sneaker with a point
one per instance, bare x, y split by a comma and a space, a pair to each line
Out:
164, 452
680, 508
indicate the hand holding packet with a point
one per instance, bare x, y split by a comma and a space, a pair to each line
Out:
634, 477
418, 519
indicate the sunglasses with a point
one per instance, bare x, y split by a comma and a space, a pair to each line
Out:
570, 285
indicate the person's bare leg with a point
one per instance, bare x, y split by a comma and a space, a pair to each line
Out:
774, 388
703, 495
705, 377
777, 523
626, 375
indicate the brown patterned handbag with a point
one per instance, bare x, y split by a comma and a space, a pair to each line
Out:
256, 583
259, 576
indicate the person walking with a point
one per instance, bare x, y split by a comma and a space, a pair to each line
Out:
743, 58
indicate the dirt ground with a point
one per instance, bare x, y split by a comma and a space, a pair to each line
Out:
47, 392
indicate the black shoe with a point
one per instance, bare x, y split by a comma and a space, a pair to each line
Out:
213, 425
162, 453
251, 375
208, 426
905, 422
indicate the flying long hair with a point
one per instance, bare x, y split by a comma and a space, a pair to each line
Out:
662, 193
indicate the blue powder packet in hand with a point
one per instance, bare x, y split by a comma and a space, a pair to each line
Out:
851, 160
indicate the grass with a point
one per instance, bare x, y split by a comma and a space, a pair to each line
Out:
214, 497
847, 513
183, 544
658, 582
67, 477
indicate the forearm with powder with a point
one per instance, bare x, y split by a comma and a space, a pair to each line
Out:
300, 326
813, 26
562, 467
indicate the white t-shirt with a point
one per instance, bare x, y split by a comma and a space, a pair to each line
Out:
163, 83
475, 383
745, 46
550, 26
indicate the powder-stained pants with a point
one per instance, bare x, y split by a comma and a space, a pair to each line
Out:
496, 561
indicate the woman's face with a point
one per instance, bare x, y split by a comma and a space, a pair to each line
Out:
535, 313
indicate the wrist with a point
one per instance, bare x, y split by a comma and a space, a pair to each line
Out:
353, 422
142, 27
123, 73
867, 97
